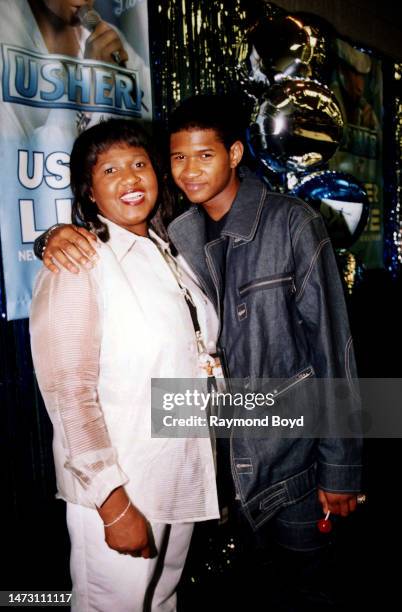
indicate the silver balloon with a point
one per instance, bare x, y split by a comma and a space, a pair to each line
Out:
342, 201
276, 48
298, 126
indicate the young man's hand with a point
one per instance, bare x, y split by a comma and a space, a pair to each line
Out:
337, 503
69, 245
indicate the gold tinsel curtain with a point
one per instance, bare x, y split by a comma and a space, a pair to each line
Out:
193, 46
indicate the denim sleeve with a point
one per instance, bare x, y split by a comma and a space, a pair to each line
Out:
322, 310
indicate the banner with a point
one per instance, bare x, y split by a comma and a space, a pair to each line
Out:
357, 84
47, 98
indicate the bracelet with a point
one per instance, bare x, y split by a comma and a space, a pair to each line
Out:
40, 244
119, 517
46, 237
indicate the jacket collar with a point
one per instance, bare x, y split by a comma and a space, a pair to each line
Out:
122, 241
188, 232
244, 215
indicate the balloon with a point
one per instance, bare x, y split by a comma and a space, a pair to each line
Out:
298, 126
352, 269
276, 48
342, 201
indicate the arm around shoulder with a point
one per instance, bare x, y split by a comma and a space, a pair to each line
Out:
66, 246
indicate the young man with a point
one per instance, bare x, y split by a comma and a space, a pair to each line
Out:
267, 263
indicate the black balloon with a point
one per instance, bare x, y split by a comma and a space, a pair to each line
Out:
276, 48
284, 46
342, 201
298, 126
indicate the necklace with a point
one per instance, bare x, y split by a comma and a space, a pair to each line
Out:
210, 364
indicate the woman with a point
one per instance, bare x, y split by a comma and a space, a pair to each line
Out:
97, 340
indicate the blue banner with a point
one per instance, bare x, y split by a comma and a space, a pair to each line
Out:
46, 100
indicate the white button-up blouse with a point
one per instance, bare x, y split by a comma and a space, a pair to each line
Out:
97, 340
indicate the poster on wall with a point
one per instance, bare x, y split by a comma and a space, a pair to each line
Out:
357, 84
61, 71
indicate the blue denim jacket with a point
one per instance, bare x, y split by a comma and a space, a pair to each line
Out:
280, 301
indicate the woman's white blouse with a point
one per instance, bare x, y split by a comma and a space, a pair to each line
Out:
97, 340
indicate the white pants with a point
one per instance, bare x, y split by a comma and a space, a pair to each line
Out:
107, 581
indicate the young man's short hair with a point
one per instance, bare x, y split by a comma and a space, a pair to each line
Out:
223, 114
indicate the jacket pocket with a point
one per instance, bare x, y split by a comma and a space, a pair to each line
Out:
268, 282
290, 383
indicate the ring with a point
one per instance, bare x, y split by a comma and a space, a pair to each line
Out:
361, 499
116, 57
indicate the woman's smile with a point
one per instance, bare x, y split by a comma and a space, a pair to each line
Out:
133, 197
125, 187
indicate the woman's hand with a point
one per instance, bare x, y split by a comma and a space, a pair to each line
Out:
68, 244
130, 534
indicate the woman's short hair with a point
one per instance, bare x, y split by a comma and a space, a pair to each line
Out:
86, 150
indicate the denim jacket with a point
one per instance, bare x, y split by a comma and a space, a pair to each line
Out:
280, 301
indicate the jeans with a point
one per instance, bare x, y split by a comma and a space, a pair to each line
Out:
292, 565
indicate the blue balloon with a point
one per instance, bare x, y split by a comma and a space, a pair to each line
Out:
342, 201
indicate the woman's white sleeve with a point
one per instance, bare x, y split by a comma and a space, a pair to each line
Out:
66, 338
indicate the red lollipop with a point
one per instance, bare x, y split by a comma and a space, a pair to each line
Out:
324, 525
